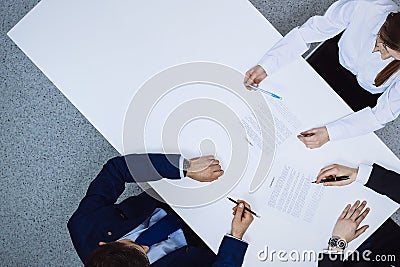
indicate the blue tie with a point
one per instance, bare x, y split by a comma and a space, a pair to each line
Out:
159, 231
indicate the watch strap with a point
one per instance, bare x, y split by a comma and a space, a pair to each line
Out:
186, 166
337, 242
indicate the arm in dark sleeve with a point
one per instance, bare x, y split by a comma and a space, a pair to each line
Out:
110, 182
385, 182
230, 253
330, 260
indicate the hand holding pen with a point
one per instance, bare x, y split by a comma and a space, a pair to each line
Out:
333, 179
254, 76
265, 92
315, 137
336, 175
246, 207
242, 218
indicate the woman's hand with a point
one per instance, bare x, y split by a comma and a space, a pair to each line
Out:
314, 138
254, 76
337, 170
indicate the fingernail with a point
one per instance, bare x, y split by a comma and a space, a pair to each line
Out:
241, 205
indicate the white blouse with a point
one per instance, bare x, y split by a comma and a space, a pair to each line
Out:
361, 21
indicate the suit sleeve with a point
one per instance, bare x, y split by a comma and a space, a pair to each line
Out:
230, 253
385, 182
330, 260
110, 182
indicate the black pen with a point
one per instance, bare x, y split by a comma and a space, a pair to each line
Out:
307, 135
334, 179
249, 210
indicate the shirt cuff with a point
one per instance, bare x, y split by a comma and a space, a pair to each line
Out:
229, 235
332, 252
287, 49
269, 63
354, 124
328, 251
181, 167
364, 171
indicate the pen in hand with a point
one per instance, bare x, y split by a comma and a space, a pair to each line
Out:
249, 210
307, 135
333, 179
264, 91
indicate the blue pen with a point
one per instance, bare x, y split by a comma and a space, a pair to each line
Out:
265, 92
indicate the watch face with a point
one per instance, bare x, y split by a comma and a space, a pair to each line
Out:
341, 243
337, 242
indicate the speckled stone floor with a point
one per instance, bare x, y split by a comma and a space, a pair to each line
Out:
50, 152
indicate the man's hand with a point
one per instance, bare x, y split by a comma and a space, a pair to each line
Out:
346, 226
254, 76
337, 170
204, 169
314, 138
241, 220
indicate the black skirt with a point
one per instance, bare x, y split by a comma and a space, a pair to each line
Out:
325, 60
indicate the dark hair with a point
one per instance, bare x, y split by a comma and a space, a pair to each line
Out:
116, 254
390, 35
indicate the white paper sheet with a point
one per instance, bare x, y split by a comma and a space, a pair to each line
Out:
287, 123
294, 194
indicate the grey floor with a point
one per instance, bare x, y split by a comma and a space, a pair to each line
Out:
51, 152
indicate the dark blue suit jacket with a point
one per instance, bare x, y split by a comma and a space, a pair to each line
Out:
99, 218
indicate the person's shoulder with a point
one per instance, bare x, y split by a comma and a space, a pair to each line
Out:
369, 10
378, 5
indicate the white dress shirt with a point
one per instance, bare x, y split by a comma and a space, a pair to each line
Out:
175, 240
361, 21
181, 159
364, 172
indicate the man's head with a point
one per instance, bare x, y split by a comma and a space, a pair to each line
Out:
119, 253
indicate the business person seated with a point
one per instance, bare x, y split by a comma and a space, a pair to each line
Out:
142, 231
362, 63
385, 241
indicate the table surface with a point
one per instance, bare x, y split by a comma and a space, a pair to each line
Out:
99, 54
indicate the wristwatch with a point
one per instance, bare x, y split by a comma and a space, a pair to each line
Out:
337, 242
186, 166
